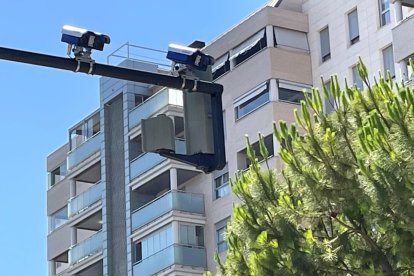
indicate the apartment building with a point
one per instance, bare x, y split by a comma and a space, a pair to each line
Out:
114, 210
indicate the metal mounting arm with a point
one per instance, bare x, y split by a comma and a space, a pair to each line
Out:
105, 70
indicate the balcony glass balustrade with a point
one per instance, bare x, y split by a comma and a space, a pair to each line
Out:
173, 255
173, 200
84, 200
146, 161
166, 96
86, 248
88, 148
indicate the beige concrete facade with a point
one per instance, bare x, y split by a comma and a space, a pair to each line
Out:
157, 209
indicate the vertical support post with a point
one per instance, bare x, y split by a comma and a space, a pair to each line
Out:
173, 179
398, 11
269, 36
73, 236
72, 187
273, 90
52, 268
175, 232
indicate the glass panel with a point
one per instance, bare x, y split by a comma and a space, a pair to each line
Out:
59, 218
143, 163
85, 150
384, 12
221, 242
222, 191
289, 95
356, 78
222, 185
174, 254
173, 200
329, 103
86, 248
252, 104
86, 199
183, 234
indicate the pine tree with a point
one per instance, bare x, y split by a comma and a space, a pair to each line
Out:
344, 202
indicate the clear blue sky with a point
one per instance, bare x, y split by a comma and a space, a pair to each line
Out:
38, 104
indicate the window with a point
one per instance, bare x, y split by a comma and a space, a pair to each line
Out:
139, 99
191, 235
329, 103
356, 78
249, 47
243, 162
153, 244
353, 27
220, 233
290, 91
384, 12
221, 185
221, 66
84, 131
388, 59
58, 218
325, 45
135, 147
57, 174
252, 100
290, 39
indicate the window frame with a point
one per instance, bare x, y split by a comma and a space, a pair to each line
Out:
384, 14
224, 185
56, 223
291, 87
296, 39
388, 49
221, 66
148, 244
58, 174
192, 227
249, 98
241, 53
325, 56
353, 39
220, 230
356, 78
327, 107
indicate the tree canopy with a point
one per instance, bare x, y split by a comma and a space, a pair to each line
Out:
344, 202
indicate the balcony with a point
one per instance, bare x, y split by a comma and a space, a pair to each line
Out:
173, 200
403, 36
146, 161
85, 150
161, 99
86, 248
86, 199
172, 255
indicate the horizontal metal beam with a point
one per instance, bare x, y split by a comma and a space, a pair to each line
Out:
105, 70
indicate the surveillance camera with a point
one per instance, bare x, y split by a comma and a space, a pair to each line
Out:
79, 37
189, 56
